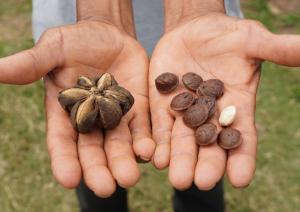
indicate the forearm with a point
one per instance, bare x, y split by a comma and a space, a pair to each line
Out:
178, 10
117, 12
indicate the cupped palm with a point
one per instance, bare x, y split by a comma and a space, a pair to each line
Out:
89, 48
229, 49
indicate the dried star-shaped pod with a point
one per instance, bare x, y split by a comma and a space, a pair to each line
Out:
100, 100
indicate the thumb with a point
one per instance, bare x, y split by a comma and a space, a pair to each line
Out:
280, 49
30, 65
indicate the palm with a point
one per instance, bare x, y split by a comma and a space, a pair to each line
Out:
214, 46
91, 48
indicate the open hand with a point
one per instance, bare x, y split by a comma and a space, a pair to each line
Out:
214, 46
61, 56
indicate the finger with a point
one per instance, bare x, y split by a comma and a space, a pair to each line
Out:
162, 124
280, 49
210, 167
34, 63
120, 156
241, 161
183, 156
140, 128
61, 140
211, 162
94, 164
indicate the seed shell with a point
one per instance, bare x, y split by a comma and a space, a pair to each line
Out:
209, 101
212, 87
166, 82
196, 115
206, 134
191, 81
230, 138
182, 101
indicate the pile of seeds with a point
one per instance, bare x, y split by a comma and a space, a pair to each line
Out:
198, 104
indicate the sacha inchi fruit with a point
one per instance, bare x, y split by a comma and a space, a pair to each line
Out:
96, 101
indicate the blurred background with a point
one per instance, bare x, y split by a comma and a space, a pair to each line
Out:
26, 183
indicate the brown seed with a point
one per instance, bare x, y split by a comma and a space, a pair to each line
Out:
206, 134
182, 101
212, 87
196, 115
192, 81
209, 101
166, 82
230, 138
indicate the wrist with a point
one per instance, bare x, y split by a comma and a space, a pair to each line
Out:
179, 11
115, 12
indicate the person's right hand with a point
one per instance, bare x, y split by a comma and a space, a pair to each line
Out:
89, 47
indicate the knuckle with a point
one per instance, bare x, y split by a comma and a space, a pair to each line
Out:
252, 27
254, 34
53, 41
254, 23
54, 34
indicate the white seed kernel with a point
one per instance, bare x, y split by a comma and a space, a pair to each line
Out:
227, 116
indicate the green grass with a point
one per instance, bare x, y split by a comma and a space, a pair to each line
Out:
26, 183
260, 10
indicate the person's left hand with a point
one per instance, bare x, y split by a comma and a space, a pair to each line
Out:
214, 46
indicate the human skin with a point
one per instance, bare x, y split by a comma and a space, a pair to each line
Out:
199, 37
103, 40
